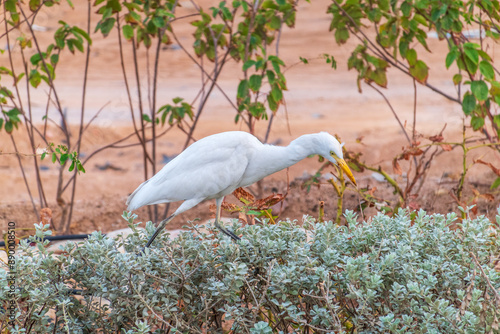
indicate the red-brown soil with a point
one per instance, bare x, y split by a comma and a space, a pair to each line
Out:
318, 99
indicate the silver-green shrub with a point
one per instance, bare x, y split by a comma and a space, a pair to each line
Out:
411, 273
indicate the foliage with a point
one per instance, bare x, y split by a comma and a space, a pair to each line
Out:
392, 34
231, 31
426, 274
252, 208
38, 71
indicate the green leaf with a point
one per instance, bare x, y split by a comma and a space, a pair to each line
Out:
457, 79
159, 22
484, 55
19, 77
10, 5
341, 35
487, 70
450, 58
242, 89
35, 59
146, 118
5, 70
35, 78
273, 105
277, 94
480, 89
107, 25
133, 18
271, 77
379, 76
54, 157
477, 122
411, 56
472, 54
64, 157
248, 64
469, 103
495, 183
54, 59
406, 8
420, 71
80, 32
9, 126
80, 167
470, 66
496, 120
128, 32
14, 115
77, 43
275, 23
255, 82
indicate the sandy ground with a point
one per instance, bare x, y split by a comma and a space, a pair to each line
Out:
318, 99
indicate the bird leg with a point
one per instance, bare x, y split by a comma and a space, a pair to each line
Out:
217, 223
160, 227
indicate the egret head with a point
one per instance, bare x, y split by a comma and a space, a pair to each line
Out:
331, 149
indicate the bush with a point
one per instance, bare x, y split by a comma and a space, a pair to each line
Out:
409, 273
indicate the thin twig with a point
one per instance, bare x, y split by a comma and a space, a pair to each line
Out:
30, 134
495, 292
66, 224
24, 177
393, 112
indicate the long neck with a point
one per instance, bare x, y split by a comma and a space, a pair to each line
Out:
271, 159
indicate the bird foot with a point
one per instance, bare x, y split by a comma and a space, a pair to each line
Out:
230, 234
227, 232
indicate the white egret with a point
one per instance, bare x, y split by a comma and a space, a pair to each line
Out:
215, 166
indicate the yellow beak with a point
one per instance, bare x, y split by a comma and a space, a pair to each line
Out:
343, 165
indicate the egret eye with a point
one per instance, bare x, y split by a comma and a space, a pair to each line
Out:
333, 154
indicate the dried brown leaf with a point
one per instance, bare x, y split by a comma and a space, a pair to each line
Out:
243, 218
269, 201
413, 205
46, 216
488, 197
493, 168
446, 147
436, 138
244, 196
415, 151
230, 207
371, 191
396, 167
474, 203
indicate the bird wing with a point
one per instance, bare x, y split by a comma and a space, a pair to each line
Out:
205, 170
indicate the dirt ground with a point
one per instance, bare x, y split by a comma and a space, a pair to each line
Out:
318, 99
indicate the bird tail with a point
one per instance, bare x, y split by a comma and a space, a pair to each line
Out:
134, 201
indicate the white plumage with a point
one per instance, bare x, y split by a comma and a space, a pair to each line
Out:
215, 166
